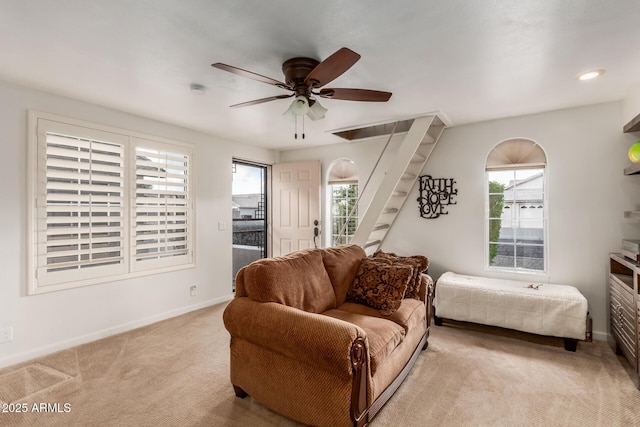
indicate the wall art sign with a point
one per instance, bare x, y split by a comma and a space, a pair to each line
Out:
435, 194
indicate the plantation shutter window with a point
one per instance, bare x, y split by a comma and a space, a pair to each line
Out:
162, 225
81, 213
106, 204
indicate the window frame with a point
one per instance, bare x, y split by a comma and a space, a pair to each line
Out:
517, 154
39, 124
353, 218
545, 221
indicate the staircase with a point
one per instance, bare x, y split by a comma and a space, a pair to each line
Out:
412, 155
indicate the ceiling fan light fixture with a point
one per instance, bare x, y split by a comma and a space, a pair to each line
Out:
299, 107
316, 111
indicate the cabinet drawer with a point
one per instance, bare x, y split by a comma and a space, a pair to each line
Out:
623, 336
624, 316
624, 308
623, 321
624, 329
625, 293
625, 345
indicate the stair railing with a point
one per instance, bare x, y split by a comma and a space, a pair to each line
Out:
360, 193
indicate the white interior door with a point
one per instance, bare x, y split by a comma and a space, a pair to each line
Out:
296, 205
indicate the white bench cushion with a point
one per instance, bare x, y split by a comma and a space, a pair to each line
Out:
555, 310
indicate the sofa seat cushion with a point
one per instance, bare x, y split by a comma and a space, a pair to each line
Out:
298, 280
383, 335
411, 313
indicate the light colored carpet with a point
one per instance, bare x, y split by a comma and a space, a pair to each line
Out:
175, 373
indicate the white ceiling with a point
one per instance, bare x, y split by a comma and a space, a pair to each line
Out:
471, 60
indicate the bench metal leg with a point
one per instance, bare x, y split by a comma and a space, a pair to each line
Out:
437, 320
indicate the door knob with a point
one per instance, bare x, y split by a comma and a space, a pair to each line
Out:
316, 232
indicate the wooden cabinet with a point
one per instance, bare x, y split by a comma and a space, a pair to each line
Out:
624, 289
624, 307
634, 169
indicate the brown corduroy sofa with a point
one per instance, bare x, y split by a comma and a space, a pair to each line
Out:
301, 350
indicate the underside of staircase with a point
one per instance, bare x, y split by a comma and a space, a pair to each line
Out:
422, 135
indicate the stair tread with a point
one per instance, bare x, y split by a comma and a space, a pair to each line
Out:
400, 193
428, 139
371, 243
389, 210
381, 226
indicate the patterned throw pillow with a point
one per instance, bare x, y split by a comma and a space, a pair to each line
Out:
380, 285
419, 264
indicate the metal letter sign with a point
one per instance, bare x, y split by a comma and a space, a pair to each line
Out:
435, 194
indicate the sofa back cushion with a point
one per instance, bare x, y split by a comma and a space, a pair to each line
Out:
380, 284
419, 264
342, 263
297, 280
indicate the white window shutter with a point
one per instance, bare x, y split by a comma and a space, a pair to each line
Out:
162, 227
81, 216
107, 204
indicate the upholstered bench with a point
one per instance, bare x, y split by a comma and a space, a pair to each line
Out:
543, 309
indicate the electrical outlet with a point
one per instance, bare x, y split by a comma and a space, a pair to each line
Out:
193, 290
6, 334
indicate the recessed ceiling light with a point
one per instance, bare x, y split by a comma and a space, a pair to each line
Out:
588, 75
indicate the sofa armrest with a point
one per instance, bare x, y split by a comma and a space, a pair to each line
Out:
316, 339
427, 291
426, 288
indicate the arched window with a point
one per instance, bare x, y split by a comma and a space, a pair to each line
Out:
343, 188
516, 234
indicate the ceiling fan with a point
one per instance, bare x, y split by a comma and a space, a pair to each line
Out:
305, 77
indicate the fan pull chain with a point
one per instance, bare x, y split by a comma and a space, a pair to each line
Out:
295, 135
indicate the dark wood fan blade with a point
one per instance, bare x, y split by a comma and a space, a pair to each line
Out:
249, 74
260, 101
332, 67
366, 95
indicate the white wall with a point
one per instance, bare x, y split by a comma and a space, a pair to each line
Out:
631, 105
49, 322
588, 194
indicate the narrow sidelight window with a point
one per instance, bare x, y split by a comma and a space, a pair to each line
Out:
343, 192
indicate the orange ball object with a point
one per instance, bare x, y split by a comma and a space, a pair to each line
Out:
634, 152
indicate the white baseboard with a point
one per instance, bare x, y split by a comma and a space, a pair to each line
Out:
63, 345
600, 336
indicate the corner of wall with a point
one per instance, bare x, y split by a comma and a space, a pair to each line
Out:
631, 105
